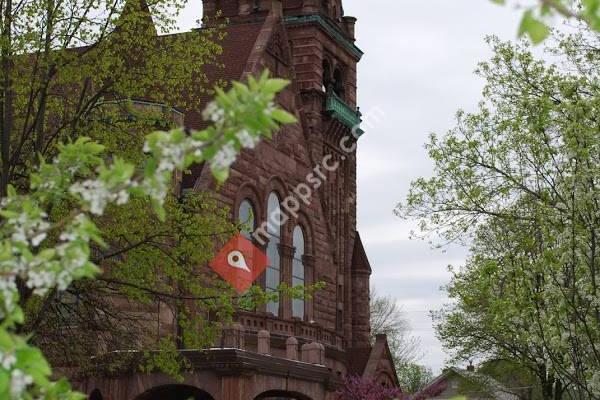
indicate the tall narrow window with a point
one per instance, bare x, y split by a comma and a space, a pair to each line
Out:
338, 83
246, 217
273, 274
298, 272
326, 76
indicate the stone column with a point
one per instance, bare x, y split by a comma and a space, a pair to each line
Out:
291, 348
261, 280
313, 353
310, 278
234, 337
350, 23
287, 255
264, 342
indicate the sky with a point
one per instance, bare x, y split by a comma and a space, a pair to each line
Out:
418, 70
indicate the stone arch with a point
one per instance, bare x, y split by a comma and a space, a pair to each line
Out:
96, 395
248, 191
276, 185
385, 379
175, 392
307, 227
280, 395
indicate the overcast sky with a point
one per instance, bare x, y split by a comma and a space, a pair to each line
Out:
418, 69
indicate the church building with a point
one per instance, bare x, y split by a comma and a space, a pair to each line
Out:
290, 349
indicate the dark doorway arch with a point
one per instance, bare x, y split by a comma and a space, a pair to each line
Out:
96, 395
281, 395
174, 392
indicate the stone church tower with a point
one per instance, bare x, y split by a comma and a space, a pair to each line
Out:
291, 349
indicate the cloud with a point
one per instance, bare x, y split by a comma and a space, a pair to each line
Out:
418, 68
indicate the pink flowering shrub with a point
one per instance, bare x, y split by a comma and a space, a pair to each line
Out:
356, 388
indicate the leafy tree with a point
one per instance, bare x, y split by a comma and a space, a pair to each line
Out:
75, 68
63, 62
518, 180
413, 377
537, 17
387, 318
513, 377
47, 255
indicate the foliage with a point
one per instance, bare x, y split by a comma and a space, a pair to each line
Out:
519, 181
72, 69
413, 377
63, 63
357, 388
514, 377
45, 255
536, 18
388, 319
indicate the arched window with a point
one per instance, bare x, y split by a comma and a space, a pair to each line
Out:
298, 272
326, 76
273, 274
246, 217
338, 83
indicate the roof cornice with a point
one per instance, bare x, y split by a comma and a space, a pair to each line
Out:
328, 27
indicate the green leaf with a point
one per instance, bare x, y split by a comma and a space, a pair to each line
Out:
283, 116
11, 191
276, 85
220, 175
4, 384
533, 27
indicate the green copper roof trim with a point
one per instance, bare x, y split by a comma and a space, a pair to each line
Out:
328, 27
339, 110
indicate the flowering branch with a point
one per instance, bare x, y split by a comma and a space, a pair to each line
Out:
49, 256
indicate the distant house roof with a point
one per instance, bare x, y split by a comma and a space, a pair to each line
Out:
492, 387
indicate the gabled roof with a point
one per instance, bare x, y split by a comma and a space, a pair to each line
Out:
376, 364
238, 44
360, 261
493, 388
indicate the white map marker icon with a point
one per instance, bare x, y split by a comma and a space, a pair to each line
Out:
236, 260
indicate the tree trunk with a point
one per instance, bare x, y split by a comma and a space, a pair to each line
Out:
6, 100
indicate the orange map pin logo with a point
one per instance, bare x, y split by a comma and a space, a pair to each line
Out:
240, 262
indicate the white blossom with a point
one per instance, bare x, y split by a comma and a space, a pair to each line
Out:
122, 197
224, 157
19, 382
38, 239
246, 139
8, 288
40, 279
7, 360
93, 192
213, 113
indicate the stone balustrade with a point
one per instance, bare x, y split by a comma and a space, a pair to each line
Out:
303, 331
310, 352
